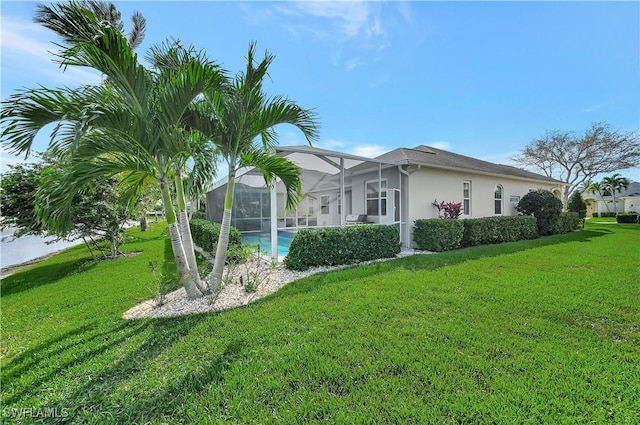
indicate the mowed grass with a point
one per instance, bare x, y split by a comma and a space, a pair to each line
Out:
542, 331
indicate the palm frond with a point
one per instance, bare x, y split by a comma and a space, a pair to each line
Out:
273, 167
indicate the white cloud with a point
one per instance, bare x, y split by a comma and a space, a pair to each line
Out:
331, 144
368, 151
445, 146
7, 159
595, 107
358, 31
26, 55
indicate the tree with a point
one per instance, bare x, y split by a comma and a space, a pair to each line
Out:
18, 187
576, 159
577, 204
128, 126
615, 183
240, 120
596, 187
545, 207
94, 214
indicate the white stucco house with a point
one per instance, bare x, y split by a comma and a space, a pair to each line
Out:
625, 201
395, 188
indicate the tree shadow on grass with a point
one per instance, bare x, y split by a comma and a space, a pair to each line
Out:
434, 261
41, 275
117, 356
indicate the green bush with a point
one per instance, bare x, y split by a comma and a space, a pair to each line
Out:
198, 215
595, 214
578, 205
205, 234
545, 207
490, 230
568, 222
608, 214
438, 235
627, 218
331, 247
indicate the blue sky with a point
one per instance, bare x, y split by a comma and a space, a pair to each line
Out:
477, 78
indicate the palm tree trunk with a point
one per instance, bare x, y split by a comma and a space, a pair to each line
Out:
223, 239
176, 244
185, 234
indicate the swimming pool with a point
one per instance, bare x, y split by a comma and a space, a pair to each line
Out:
262, 241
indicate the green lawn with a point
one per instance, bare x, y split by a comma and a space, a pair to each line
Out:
544, 331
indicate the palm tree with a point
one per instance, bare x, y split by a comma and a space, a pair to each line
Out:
240, 120
129, 125
615, 183
596, 187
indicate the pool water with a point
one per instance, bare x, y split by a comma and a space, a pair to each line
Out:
263, 239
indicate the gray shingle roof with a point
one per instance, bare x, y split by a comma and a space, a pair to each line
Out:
437, 158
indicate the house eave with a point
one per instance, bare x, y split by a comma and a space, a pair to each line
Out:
487, 173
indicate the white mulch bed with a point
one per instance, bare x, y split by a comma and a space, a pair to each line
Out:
233, 294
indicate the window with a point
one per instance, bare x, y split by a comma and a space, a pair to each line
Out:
466, 198
310, 203
339, 204
497, 200
324, 205
514, 200
372, 197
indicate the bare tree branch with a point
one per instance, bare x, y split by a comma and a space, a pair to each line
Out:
577, 159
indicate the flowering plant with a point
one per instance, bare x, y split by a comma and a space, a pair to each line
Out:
448, 209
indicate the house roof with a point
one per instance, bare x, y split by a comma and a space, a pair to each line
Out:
632, 191
437, 158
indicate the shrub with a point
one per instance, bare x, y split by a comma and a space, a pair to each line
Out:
490, 230
205, 234
631, 217
198, 215
438, 235
608, 214
330, 247
568, 222
595, 214
578, 205
545, 207
450, 210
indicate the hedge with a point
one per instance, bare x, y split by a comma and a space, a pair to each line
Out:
627, 218
492, 230
606, 214
568, 222
436, 234
331, 247
205, 234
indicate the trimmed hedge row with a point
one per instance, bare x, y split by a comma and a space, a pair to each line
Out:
331, 247
627, 218
605, 214
205, 234
443, 235
438, 235
491, 230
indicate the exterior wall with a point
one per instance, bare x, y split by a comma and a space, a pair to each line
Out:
632, 204
600, 206
358, 193
429, 184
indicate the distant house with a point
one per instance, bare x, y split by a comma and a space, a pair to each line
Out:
395, 188
626, 201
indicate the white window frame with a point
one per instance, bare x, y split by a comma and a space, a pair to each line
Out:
498, 201
466, 201
383, 198
324, 198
